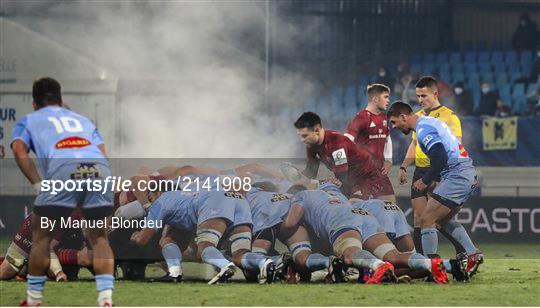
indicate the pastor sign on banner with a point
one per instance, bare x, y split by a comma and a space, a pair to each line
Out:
499, 133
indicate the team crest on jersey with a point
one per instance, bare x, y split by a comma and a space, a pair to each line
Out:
380, 130
72, 142
85, 171
384, 123
340, 157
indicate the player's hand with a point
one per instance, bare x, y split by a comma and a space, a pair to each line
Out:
332, 180
135, 236
402, 177
387, 165
419, 185
61, 276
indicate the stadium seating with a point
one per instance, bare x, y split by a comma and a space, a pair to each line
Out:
503, 68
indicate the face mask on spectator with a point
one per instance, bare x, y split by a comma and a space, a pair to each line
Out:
382, 73
538, 54
485, 90
458, 90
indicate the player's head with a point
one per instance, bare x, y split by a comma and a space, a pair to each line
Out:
378, 95
400, 115
46, 91
309, 128
427, 92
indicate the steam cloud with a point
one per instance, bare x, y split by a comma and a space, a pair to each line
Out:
209, 60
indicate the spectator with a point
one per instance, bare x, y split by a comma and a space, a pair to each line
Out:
526, 35
535, 70
464, 103
489, 101
533, 99
409, 90
384, 78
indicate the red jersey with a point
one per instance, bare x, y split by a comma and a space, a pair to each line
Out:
351, 164
370, 130
23, 237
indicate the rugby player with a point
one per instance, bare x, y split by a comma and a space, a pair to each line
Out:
16, 258
67, 146
349, 230
448, 160
428, 97
352, 165
268, 208
369, 128
209, 214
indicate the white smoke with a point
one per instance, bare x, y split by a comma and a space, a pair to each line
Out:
210, 59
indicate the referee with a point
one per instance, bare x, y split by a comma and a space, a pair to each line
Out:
427, 93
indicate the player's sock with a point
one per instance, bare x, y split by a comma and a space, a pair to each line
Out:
316, 261
104, 286
252, 261
34, 289
213, 256
68, 256
418, 261
173, 257
459, 234
430, 241
447, 265
417, 239
365, 259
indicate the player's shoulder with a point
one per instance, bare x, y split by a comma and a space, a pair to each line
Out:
443, 112
426, 124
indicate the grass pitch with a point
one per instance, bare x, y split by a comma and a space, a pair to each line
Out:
510, 276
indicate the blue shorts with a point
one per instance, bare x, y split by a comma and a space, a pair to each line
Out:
71, 198
389, 216
456, 187
220, 204
366, 225
242, 213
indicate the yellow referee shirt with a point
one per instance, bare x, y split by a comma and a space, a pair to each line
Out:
444, 114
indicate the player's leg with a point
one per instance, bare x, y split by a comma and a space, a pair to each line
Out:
172, 254
103, 257
7, 270
404, 243
306, 261
348, 246
209, 234
39, 257
253, 262
381, 246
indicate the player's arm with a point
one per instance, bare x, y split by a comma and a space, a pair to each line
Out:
292, 221
407, 161
387, 155
25, 163
353, 128
438, 159
54, 265
312, 165
141, 238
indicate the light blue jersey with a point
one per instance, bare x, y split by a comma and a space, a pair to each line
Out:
390, 217
458, 179
328, 212
58, 135
431, 131
66, 148
175, 208
186, 210
267, 208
